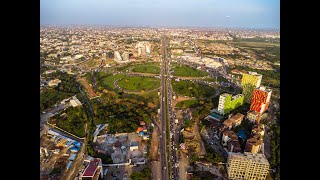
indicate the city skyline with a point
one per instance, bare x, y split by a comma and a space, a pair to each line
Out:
208, 13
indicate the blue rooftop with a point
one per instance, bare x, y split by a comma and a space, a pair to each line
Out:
242, 134
72, 157
215, 116
134, 143
69, 164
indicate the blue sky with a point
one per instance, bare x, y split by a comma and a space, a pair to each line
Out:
206, 13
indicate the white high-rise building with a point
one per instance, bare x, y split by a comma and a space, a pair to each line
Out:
117, 56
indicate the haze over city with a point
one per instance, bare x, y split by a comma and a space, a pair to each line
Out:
159, 90
188, 13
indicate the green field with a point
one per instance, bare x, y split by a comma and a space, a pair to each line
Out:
147, 69
269, 51
186, 88
187, 104
106, 80
137, 83
186, 71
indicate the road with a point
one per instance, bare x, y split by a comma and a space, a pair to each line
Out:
174, 133
163, 145
214, 143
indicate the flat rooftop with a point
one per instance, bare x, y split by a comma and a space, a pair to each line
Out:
215, 116
247, 156
134, 143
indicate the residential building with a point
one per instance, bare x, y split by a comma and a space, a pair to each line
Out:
253, 145
227, 102
234, 146
228, 136
260, 99
134, 145
250, 81
236, 119
93, 170
253, 116
247, 166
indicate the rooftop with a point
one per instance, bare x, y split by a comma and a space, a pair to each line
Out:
91, 168
134, 143
259, 158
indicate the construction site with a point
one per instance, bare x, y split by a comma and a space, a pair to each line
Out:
57, 153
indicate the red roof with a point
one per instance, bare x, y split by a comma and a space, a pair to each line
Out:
92, 168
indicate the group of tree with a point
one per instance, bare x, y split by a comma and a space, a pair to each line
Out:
145, 174
72, 121
66, 88
122, 112
275, 149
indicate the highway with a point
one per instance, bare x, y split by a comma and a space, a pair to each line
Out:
163, 145
167, 115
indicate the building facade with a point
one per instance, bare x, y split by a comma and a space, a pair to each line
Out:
260, 100
249, 82
227, 102
247, 166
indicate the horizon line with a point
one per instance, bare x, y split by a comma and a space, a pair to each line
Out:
164, 26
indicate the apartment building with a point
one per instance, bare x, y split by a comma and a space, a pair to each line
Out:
247, 166
249, 82
227, 102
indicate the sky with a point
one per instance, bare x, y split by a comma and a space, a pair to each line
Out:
190, 13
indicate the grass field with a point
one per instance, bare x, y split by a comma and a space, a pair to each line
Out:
186, 88
269, 51
137, 83
106, 80
147, 69
186, 71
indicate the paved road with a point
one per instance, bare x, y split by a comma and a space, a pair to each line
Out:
44, 117
214, 143
163, 145
174, 134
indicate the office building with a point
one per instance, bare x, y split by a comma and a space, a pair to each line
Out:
227, 102
250, 81
247, 166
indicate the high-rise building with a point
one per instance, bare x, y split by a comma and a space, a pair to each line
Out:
125, 56
227, 102
117, 56
260, 99
250, 81
247, 166
143, 48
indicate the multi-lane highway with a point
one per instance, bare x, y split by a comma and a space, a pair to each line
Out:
167, 115
163, 117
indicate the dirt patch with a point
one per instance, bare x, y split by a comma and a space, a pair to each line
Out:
88, 89
155, 145
179, 99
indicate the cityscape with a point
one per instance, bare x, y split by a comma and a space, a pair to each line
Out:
159, 103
